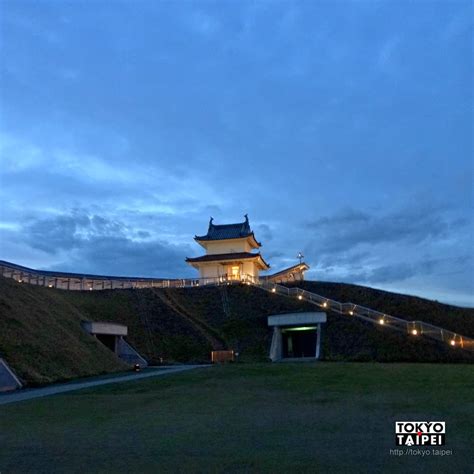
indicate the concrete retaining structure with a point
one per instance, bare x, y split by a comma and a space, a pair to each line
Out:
112, 329
112, 335
8, 380
129, 355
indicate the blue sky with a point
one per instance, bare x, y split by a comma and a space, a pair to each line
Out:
344, 129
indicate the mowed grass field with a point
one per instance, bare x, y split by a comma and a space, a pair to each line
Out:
300, 417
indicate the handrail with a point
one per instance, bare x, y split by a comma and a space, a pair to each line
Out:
78, 282
414, 328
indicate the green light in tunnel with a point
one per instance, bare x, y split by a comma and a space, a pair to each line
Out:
301, 328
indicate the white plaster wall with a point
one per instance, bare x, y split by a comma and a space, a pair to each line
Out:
249, 268
229, 246
210, 271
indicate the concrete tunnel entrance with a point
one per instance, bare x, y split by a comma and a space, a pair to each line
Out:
112, 336
296, 335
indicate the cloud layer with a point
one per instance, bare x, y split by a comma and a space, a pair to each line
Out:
343, 129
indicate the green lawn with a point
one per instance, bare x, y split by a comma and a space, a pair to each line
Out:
324, 417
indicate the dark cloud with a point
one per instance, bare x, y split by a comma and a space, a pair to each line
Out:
70, 231
387, 273
402, 271
96, 244
415, 246
353, 259
264, 232
56, 233
122, 256
350, 228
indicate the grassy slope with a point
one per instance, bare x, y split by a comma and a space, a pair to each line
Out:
42, 339
244, 327
171, 323
155, 329
324, 417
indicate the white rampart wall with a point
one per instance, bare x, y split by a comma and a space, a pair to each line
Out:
212, 273
79, 282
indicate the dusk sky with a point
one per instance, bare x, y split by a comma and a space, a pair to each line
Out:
344, 129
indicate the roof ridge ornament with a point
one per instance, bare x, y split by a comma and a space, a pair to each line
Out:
246, 225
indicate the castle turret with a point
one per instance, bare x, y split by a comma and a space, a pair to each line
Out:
229, 252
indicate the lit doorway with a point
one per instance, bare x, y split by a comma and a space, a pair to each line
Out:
234, 272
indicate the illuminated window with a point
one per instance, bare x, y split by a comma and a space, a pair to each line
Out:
235, 271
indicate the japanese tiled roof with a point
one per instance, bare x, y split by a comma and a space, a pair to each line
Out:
226, 256
227, 231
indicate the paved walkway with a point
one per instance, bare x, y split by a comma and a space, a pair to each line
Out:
30, 393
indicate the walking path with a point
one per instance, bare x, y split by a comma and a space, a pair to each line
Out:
30, 393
